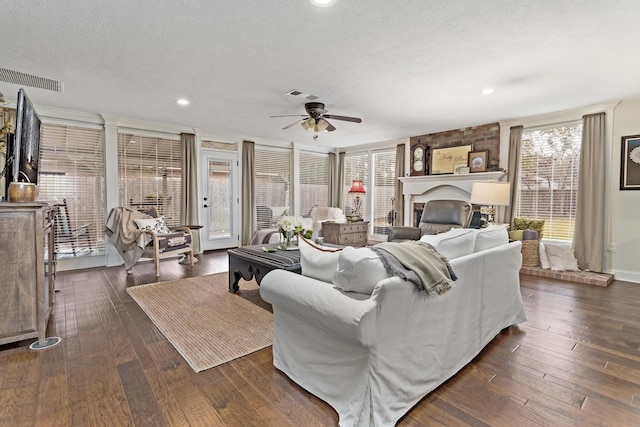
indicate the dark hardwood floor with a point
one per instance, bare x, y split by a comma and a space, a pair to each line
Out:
575, 362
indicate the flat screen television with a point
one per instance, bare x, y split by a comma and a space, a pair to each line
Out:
25, 145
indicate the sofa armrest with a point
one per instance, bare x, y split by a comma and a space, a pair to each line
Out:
403, 233
346, 314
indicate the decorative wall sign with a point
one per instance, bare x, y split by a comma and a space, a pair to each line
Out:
444, 159
630, 163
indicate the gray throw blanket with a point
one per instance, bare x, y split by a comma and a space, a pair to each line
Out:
128, 240
418, 263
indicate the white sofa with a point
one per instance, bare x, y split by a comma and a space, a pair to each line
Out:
372, 357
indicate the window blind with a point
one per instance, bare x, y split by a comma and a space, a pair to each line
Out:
149, 174
272, 185
356, 166
225, 146
384, 189
314, 181
72, 169
547, 188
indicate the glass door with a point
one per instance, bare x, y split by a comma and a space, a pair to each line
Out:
220, 203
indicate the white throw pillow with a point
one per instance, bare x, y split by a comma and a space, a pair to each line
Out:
490, 237
157, 225
544, 258
359, 270
318, 262
452, 244
561, 257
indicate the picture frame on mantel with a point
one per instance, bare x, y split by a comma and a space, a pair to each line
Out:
478, 161
443, 160
630, 163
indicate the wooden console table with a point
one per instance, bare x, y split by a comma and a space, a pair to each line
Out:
346, 233
27, 281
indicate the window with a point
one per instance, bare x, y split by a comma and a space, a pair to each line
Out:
356, 166
384, 189
149, 174
215, 145
548, 183
72, 168
314, 181
272, 185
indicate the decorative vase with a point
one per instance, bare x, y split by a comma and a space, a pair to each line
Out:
285, 239
22, 192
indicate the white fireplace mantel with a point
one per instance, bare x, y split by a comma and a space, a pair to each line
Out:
421, 189
414, 185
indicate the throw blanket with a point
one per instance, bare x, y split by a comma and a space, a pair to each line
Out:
418, 263
128, 240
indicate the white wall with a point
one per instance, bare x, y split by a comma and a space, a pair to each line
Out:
625, 262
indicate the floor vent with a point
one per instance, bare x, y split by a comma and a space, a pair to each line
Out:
23, 79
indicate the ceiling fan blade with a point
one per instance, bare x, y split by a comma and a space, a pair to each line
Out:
292, 124
330, 127
292, 115
345, 118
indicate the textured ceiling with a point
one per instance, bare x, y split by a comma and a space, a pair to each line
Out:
406, 67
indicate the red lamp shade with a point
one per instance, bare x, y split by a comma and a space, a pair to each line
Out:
356, 186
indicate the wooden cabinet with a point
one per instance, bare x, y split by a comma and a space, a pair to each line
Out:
346, 233
27, 270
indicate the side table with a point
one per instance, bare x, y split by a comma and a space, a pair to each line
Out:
346, 233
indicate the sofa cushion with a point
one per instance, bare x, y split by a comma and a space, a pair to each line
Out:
318, 262
359, 270
561, 257
490, 237
157, 225
454, 243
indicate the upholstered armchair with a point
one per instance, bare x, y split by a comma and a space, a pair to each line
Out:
320, 214
438, 216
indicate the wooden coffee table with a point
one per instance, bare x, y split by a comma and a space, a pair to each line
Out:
251, 262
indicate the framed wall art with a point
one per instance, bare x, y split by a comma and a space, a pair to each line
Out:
457, 169
630, 163
478, 161
444, 159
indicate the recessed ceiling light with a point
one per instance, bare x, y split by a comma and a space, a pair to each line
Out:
487, 91
323, 3
183, 101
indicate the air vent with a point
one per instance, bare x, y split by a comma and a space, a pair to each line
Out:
302, 94
24, 79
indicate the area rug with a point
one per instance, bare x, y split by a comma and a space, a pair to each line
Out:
204, 322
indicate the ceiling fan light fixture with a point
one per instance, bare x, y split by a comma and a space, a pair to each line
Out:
309, 123
321, 125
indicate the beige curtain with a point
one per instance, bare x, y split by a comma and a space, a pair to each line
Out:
247, 196
341, 180
588, 237
333, 187
399, 202
513, 171
189, 176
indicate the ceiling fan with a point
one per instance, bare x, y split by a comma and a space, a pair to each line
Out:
316, 118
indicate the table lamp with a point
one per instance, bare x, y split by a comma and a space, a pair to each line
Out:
357, 188
489, 195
